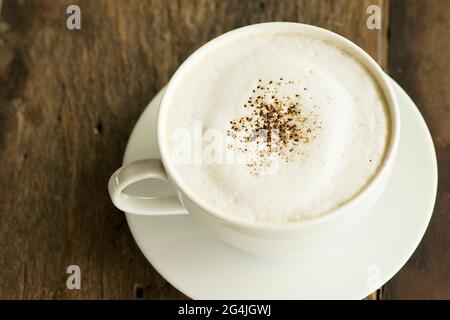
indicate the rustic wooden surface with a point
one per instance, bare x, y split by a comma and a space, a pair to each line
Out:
419, 61
69, 99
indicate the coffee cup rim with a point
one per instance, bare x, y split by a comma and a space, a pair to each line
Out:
344, 43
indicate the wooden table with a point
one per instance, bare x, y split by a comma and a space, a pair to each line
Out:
69, 99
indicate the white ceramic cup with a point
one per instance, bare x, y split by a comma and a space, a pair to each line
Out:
275, 240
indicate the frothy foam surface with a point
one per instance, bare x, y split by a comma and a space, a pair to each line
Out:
326, 116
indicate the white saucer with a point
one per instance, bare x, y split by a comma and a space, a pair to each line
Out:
201, 267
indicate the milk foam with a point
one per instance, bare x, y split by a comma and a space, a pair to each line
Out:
341, 155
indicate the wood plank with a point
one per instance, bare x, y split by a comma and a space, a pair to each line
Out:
68, 102
418, 60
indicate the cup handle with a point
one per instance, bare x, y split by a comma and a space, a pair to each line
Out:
142, 205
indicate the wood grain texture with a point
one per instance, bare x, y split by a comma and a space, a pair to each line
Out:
68, 102
419, 61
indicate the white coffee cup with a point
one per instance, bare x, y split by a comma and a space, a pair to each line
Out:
274, 240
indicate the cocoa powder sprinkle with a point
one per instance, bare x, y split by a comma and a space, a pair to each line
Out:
276, 125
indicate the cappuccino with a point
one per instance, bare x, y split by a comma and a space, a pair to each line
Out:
277, 127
